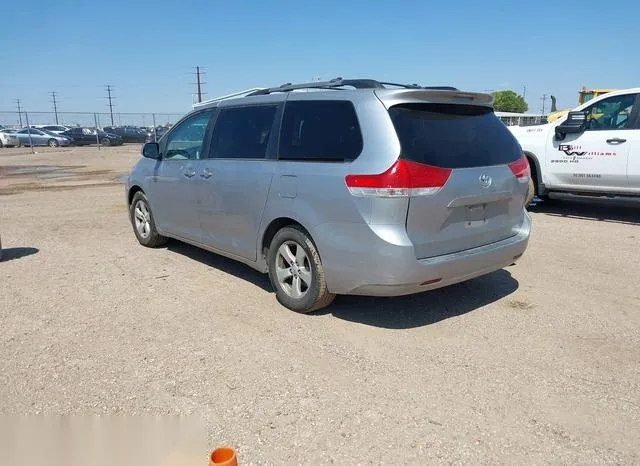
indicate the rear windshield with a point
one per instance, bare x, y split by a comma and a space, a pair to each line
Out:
453, 136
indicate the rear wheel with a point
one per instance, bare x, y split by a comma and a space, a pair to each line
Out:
53, 143
142, 221
296, 272
105, 142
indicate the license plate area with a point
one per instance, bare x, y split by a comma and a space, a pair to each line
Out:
476, 215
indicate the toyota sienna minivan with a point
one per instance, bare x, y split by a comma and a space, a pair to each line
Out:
340, 187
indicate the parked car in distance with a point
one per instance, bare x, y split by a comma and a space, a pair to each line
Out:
159, 132
8, 138
128, 133
87, 136
360, 188
39, 137
55, 128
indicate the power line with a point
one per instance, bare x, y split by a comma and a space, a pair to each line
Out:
19, 111
109, 97
55, 105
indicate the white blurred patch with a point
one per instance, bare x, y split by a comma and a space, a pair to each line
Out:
103, 441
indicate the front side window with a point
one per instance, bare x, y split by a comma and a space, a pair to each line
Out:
185, 142
611, 113
243, 132
33, 131
321, 131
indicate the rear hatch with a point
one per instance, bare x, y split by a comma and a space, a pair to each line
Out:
481, 201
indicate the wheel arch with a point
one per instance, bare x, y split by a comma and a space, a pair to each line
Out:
132, 192
536, 172
276, 225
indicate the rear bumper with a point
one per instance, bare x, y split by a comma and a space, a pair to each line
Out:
375, 267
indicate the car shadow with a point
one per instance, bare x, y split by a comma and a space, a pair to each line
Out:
393, 313
9, 254
600, 211
224, 264
425, 308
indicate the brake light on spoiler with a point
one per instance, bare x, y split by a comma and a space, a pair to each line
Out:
521, 169
403, 179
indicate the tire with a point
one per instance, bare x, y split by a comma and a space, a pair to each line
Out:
53, 143
145, 231
531, 192
303, 260
105, 142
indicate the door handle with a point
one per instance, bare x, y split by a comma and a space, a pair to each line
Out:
189, 173
616, 141
206, 174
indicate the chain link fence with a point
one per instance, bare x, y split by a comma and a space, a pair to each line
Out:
87, 119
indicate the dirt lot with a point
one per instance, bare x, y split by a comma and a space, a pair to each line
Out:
538, 363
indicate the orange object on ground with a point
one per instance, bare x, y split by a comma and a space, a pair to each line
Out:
223, 457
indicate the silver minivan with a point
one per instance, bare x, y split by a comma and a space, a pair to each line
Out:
340, 187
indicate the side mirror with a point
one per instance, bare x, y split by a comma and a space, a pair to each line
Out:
151, 150
575, 123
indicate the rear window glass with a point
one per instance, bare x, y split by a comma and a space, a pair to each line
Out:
320, 131
453, 136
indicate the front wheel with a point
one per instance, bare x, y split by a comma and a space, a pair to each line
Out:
53, 143
142, 221
105, 142
296, 272
531, 192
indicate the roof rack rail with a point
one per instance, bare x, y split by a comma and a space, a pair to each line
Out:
333, 83
408, 86
244, 93
341, 82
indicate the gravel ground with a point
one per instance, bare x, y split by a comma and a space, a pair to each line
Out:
538, 363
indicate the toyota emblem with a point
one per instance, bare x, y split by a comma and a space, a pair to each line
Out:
485, 181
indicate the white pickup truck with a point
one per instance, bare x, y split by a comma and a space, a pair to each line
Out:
592, 151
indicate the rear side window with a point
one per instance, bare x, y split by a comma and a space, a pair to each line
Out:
453, 136
243, 132
320, 131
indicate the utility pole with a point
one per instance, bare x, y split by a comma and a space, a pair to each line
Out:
543, 99
110, 103
198, 83
55, 105
524, 92
19, 111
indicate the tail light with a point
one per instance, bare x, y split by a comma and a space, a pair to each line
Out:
521, 169
404, 178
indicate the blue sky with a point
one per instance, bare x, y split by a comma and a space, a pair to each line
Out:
148, 50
